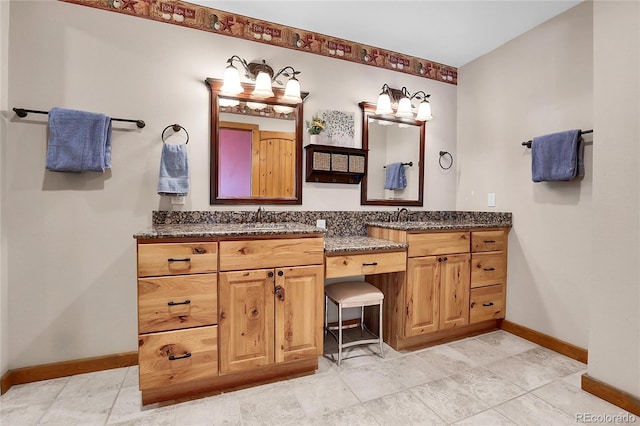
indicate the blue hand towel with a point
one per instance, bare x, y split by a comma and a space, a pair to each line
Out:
396, 178
557, 156
78, 141
174, 170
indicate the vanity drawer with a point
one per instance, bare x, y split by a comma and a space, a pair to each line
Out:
488, 240
486, 303
488, 269
171, 303
430, 244
256, 254
177, 258
175, 357
365, 264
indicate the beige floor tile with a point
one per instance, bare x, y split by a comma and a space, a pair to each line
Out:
323, 394
507, 342
44, 391
446, 359
402, 408
486, 418
449, 400
356, 415
24, 415
90, 409
574, 401
411, 370
526, 375
371, 381
269, 405
479, 352
94, 383
530, 410
487, 386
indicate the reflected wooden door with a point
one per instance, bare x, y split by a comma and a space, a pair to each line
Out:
273, 165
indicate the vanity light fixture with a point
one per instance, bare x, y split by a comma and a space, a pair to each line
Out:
264, 76
401, 98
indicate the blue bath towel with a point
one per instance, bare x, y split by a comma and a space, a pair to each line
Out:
396, 178
557, 156
174, 170
78, 141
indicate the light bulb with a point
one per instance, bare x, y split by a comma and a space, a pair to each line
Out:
231, 85
384, 104
292, 91
424, 111
224, 102
256, 105
281, 109
404, 108
263, 86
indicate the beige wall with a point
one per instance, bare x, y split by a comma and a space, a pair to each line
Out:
614, 334
538, 83
71, 255
4, 312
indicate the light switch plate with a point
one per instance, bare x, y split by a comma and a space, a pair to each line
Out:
491, 199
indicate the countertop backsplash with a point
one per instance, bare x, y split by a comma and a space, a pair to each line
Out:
338, 223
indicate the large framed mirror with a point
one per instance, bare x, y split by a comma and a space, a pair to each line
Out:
256, 148
395, 164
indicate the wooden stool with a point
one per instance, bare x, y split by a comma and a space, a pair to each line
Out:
350, 294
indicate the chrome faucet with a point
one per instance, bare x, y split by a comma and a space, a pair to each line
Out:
404, 209
259, 214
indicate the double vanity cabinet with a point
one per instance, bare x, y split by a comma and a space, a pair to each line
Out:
225, 306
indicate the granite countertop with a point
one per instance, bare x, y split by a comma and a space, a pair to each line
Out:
227, 229
434, 225
360, 243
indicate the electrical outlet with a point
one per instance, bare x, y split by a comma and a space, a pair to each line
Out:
491, 199
177, 199
321, 223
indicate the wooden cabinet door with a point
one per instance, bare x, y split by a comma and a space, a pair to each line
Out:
454, 290
299, 310
421, 296
246, 319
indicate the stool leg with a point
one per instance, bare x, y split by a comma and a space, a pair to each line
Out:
326, 315
361, 321
380, 331
339, 333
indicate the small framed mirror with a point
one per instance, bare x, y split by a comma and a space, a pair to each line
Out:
395, 164
256, 148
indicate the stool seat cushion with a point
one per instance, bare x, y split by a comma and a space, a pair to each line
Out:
354, 293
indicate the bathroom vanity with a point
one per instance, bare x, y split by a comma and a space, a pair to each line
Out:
223, 306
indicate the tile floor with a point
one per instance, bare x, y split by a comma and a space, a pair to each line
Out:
491, 379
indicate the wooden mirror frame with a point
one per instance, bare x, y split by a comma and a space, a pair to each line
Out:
368, 111
214, 86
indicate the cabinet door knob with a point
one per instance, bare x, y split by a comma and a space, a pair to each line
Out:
270, 274
445, 259
280, 273
439, 259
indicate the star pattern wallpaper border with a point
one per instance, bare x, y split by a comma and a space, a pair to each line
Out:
239, 26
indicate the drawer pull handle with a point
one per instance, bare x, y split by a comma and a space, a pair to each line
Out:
172, 303
370, 264
489, 241
186, 259
488, 304
489, 269
173, 357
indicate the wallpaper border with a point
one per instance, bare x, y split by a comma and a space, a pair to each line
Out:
251, 29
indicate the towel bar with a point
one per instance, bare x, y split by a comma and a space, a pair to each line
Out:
22, 113
528, 143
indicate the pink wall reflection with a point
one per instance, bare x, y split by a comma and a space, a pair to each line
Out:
234, 163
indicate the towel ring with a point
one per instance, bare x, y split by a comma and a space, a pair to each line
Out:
176, 128
442, 154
